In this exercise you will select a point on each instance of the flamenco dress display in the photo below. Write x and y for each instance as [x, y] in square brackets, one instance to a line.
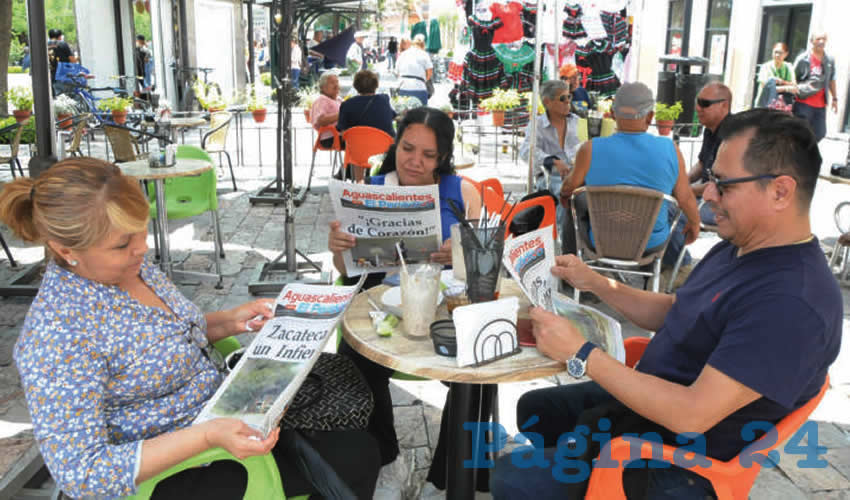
[482, 70]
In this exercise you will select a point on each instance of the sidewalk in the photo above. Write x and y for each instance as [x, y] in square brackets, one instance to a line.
[253, 235]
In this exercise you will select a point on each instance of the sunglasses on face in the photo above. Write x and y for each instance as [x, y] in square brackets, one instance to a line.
[565, 98]
[704, 103]
[195, 336]
[720, 184]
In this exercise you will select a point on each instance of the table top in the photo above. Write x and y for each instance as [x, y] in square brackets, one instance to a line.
[417, 357]
[187, 122]
[140, 169]
[834, 179]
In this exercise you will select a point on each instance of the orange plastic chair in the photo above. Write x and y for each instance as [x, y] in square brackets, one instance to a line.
[335, 149]
[730, 480]
[491, 195]
[494, 184]
[362, 143]
[549, 213]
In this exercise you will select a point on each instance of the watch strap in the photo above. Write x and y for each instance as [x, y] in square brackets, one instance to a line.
[584, 351]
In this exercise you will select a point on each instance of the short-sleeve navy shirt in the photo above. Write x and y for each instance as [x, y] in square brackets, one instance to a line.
[770, 319]
[708, 152]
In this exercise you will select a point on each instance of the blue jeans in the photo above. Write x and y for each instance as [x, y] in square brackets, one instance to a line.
[296, 76]
[558, 409]
[422, 95]
[554, 187]
[815, 116]
[677, 240]
[768, 93]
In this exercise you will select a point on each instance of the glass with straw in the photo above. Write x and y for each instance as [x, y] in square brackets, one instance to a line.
[420, 290]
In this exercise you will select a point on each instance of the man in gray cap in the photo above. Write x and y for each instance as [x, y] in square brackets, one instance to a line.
[636, 158]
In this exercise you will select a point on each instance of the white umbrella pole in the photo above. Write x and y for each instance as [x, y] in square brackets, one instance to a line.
[535, 90]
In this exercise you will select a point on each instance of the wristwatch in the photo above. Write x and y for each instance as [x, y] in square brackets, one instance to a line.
[577, 364]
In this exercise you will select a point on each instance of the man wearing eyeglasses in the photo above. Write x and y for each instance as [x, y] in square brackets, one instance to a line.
[748, 338]
[557, 140]
[713, 105]
[815, 72]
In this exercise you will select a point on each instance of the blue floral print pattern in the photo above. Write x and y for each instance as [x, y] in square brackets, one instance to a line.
[102, 372]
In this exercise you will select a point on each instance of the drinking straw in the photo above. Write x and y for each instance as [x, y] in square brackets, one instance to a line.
[400, 256]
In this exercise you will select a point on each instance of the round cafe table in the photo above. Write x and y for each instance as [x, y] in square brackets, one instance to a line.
[417, 357]
[141, 170]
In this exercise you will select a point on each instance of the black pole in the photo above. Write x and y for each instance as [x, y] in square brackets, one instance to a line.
[686, 33]
[42, 91]
[251, 41]
[119, 37]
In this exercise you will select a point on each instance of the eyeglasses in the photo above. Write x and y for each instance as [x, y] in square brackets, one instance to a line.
[721, 183]
[704, 103]
[196, 336]
[565, 78]
[565, 98]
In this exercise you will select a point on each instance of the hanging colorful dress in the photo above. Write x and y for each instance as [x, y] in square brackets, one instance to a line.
[529, 18]
[598, 55]
[482, 70]
[572, 28]
[510, 15]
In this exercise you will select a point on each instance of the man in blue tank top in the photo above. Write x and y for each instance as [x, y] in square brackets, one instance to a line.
[636, 158]
[748, 338]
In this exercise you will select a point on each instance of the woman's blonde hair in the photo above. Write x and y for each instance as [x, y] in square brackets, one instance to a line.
[75, 203]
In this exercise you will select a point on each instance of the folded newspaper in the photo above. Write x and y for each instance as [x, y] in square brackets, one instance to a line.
[529, 259]
[381, 216]
[275, 364]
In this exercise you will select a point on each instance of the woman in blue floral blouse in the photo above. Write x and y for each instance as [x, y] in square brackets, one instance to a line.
[110, 352]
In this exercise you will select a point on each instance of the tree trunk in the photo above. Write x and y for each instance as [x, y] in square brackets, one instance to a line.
[5, 43]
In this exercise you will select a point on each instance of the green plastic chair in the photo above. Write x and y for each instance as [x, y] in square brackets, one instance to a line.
[263, 475]
[190, 196]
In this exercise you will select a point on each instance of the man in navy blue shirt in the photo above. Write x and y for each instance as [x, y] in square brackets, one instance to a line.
[749, 337]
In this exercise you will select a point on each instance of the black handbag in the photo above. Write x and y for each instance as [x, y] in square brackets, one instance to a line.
[334, 396]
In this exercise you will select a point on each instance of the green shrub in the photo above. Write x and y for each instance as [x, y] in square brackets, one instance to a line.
[28, 135]
[15, 69]
[16, 50]
[266, 79]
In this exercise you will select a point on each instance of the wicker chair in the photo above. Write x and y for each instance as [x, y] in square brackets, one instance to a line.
[622, 219]
[124, 145]
[703, 228]
[80, 124]
[215, 141]
[14, 146]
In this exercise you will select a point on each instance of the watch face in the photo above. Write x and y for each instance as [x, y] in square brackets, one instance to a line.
[575, 367]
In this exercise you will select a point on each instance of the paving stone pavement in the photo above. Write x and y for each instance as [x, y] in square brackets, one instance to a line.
[254, 234]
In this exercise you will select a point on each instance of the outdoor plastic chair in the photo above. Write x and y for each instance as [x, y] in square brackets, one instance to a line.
[124, 146]
[362, 143]
[707, 228]
[730, 480]
[190, 196]
[494, 184]
[492, 195]
[14, 146]
[622, 218]
[549, 212]
[215, 140]
[335, 150]
[263, 475]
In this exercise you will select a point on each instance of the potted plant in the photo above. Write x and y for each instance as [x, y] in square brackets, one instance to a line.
[306, 97]
[665, 116]
[447, 109]
[64, 107]
[257, 106]
[401, 103]
[118, 106]
[21, 99]
[208, 96]
[499, 102]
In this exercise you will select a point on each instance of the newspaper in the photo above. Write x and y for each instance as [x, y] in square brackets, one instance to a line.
[594, 325]
[381, 216]
[529, 259]
[275, 364]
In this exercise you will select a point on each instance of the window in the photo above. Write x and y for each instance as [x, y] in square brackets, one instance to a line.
[717, 34]
[675, 30]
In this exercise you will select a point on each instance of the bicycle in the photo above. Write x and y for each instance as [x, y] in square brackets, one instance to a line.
[72, 80]
[186, 85]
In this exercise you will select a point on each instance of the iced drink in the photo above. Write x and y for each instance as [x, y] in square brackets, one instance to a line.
[419, 292]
